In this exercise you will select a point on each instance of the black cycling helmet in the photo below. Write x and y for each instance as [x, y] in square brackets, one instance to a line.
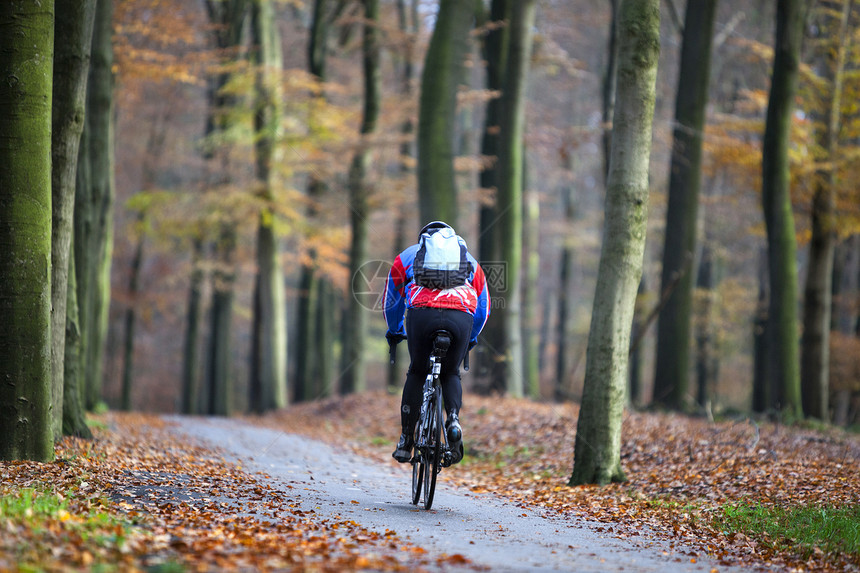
[434, 225]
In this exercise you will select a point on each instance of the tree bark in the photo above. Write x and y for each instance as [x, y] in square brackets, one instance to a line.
[531, 308]
[815, 344]
[269, 326]
[597, 451]
[131, 319]
[72, 45]
[761, 389]
[312, 360]
[673, 328]
[353, 377]
[94, 197]
[782, 329]
[510, 369]
[495, 52]
[26, 58]
[74, 421]
[443, 70]
[496, 57]
[228, 17]
[191, 344]
[609, 85]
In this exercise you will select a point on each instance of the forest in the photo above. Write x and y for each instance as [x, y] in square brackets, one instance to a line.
[664, 198]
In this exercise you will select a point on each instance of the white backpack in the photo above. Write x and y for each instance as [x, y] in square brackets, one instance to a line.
[441, 261]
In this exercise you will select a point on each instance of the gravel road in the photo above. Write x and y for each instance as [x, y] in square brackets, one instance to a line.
[484, 528]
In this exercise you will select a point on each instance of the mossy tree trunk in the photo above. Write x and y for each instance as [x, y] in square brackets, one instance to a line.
[312, 374]
[26, 58]
[191, 342]
[495, 51]
[509, 373]
[72, 45]
[353, 377]
[268, 382]
[817, 296]
[437, 116]
[672, 369]
[94, 197]
[782, 328]
[228, 18]
[531, 303]
[74, 421]
[597, 451]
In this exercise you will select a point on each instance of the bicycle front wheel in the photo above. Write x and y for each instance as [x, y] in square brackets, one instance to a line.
[434, 452]
[417, 480]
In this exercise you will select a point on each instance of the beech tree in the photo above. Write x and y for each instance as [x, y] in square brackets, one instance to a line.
[443, 71]
[353, 377]
[315, 307]
[597, 451]
[510, 193]
[268, 383]
[94, 199]
[228, 17]
[817, 296]
[73, 41]
[673, 328]
[26, 56]
[781, 335]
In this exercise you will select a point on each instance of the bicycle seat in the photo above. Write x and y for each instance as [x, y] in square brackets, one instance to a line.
[441, 342]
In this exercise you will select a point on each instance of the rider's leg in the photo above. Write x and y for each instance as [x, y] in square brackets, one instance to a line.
[410, 402]
[460, 325]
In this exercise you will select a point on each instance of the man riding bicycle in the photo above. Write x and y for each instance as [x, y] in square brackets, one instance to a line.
[439, 285]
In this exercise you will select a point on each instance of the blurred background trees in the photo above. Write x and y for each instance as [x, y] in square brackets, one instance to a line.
[210, 176]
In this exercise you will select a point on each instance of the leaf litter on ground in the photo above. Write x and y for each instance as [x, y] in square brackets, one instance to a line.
[684, 473]
[138, 498]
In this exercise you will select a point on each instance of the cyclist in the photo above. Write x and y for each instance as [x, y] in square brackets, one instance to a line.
[444, 288]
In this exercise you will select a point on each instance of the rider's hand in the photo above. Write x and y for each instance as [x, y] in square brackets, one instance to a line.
[394, 339]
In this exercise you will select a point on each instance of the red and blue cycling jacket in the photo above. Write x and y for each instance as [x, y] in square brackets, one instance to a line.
[401, 293]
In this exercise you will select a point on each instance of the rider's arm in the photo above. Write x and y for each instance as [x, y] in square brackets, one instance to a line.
[394, 305]
[482, 311]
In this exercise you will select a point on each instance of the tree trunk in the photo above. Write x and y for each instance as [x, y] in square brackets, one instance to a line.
[359, 190]
[815, 344]
[309, 357]
[563, 366]
[74, 421]
[707, 362]
[496, 57]
[495, 51]
[673, 328]
[269, 324]
[94, 197]
[531, 308]
[131, 319]
[437, 116]
[597, 451]
[510, 368]
[635, 383]
[781, 334]
[191, 345]
[26, 58]
[761, 389]
[228, 18]
[220, 379]
[72, 44]
[609, 83]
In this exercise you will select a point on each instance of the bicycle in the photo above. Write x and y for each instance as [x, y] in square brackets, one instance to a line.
[430, 451]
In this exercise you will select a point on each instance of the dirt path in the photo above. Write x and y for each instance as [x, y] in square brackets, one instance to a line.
[481, 527]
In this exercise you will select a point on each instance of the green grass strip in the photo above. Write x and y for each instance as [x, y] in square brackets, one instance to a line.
[832, 530]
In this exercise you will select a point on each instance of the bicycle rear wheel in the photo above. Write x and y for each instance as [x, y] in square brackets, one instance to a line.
[434, 453]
